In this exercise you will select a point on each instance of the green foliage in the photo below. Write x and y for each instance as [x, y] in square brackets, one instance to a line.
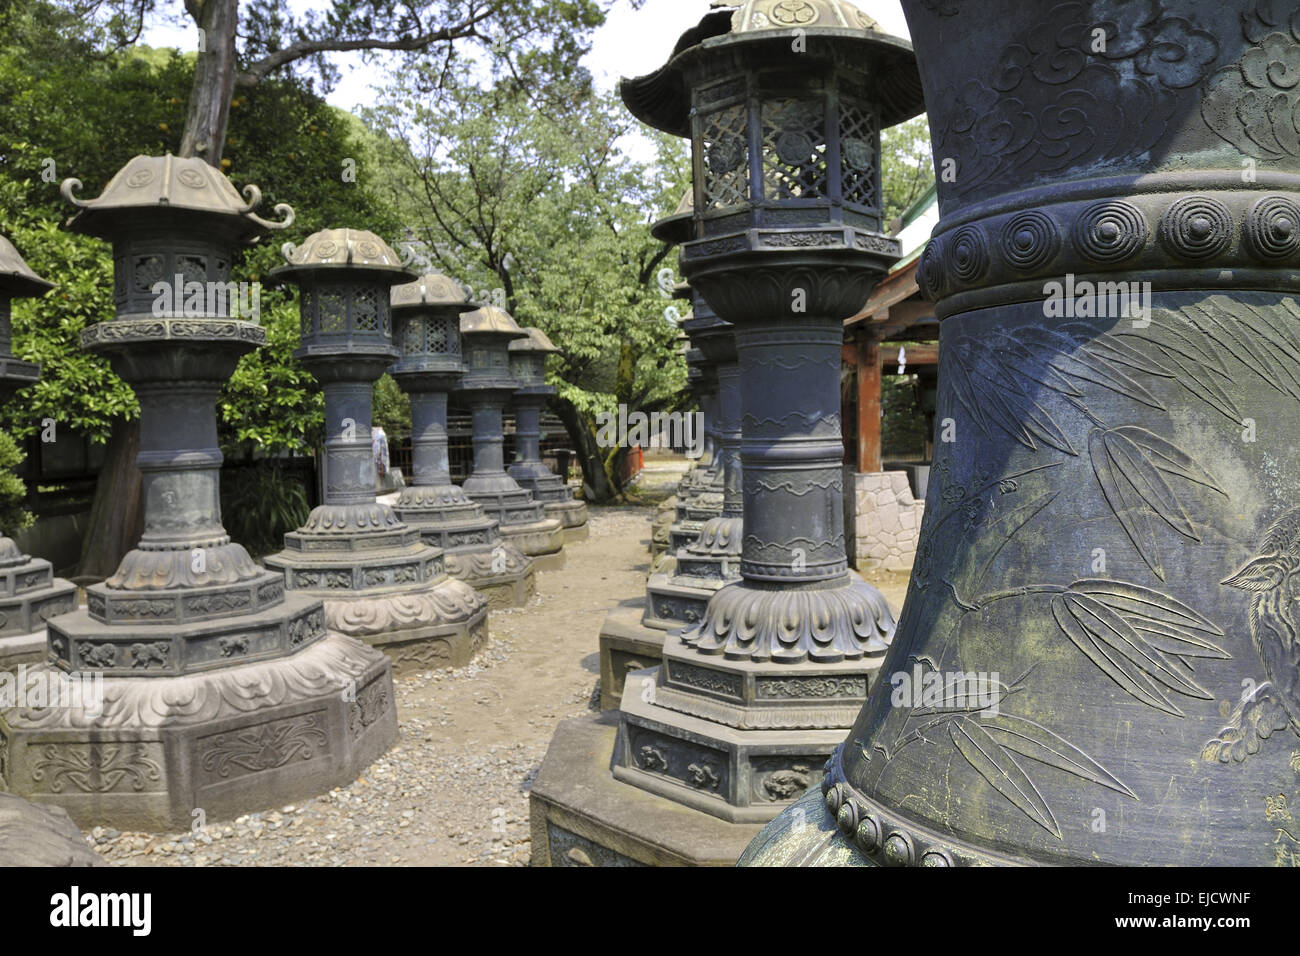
[13, 516]
[391, 409]
[902, 432]
[260, 503]
[536, 199]
[906, 166]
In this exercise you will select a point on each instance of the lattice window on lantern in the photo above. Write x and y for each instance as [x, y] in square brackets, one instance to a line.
[146, 271]
[6, 329]
[385, 315]
[192, 268]
[411, 336]
[308, 311]
[365, 312]
[794, 149]
[435, 336]
[724, 148]
[859, 148]
[333, 311]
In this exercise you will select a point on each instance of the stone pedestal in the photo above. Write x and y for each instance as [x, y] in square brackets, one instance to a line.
[212, 690]
[380, 582]
[427, 330]
[486, 388]
[582, 816]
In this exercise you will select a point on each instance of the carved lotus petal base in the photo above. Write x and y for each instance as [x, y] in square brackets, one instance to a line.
[186, 567]
[434, 496]
[10, 555]
[720, 536]
[448, 602]
[230, 741]
[349, 519]
[846, 619]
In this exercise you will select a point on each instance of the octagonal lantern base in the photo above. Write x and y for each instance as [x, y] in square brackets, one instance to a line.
[737, 775]
[626, 645]
[679, 595]
[541, 540]
[581, 816]
[659, 525]
[472, 546]
[441, 625]
[30, 595]
[227, 742]
[572, 515]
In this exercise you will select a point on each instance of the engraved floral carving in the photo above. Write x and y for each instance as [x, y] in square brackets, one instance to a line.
[266, 746]
[1254, 104]
[95, 768]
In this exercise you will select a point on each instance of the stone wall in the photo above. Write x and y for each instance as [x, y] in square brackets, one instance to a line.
[884, 521]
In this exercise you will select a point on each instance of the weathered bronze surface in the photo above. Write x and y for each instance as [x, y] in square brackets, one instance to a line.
[1111, 535]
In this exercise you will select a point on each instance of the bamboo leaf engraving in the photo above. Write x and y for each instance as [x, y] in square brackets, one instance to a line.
[996, 764]
[989, 390]
[1123, 654]
[1131, 464]
[1032, 740]
[1169, 625]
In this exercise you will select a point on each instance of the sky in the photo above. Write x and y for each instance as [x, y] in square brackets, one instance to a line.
[631, 43]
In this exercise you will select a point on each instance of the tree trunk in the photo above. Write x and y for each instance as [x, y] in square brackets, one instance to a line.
[214, 79]
[116, 517]
[589, 453]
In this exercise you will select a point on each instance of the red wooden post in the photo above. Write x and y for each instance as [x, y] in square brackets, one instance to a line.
[868, 404]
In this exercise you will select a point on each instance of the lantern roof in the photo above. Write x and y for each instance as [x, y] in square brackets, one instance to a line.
[16, 277]
[535, 341]
[431, 289]
[341, 249]
[489, 318]
[662, 100]
[152, 183]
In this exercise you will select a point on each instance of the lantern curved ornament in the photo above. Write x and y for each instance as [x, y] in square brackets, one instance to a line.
[68, 190]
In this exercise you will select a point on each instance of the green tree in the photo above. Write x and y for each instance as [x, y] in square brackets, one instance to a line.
[906, 167]
[528, 194]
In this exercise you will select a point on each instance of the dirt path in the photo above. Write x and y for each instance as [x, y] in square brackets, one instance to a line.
[454, 789]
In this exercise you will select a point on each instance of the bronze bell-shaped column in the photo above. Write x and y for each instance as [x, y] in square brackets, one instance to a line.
[1097, 659]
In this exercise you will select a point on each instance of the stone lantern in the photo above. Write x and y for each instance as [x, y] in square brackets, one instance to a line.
[427, 316]
[380, 582]
[528, 367]
[487, 386]
[220, 691]
[29, 591]
[783, 101]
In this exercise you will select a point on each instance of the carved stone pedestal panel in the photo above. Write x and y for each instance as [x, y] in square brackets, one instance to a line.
[245, 736]
[582, 816]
